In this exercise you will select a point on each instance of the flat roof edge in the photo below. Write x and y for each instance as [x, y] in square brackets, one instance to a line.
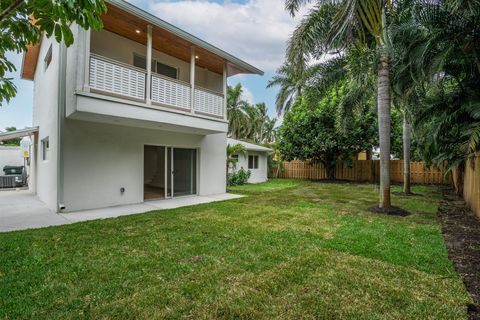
[17, 133]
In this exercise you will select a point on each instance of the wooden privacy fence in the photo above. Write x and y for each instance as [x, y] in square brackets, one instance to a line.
[471, 184]
[363, 171]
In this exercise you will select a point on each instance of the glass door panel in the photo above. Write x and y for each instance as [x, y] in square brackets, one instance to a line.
[168, 171]
[185, 171]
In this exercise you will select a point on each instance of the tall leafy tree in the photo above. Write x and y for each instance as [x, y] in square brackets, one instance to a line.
[11, 142]
[316, 131]
[23, 21]
[353, 23]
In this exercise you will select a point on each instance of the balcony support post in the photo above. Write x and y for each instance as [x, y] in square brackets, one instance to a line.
[148, 97]
[86, 72]
[192, 79]
[224, 87]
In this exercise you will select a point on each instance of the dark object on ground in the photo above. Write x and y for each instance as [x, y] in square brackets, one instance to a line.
[411, 194]
[392, 211]
[460, 229]
[15, 176]
[13, 170]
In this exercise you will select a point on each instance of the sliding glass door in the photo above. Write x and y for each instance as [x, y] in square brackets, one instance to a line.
[169, 172]
[184, 172]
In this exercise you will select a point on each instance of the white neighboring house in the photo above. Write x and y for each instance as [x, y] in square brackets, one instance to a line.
[133, 112]
[10, 156]
[255, 160]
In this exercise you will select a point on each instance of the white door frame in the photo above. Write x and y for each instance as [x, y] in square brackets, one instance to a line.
[169, 148]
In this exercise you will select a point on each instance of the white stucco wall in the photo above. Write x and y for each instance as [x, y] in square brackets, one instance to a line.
[102, 158]
[257, 175]
[113, 46]
[45, 111]
[213, 159]
[10, 156]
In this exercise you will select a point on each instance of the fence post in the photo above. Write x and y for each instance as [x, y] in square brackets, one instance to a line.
[372, 171]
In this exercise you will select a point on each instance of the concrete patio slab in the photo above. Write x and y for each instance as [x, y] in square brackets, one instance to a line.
[21, 210]
[105, 213]
[112, 212]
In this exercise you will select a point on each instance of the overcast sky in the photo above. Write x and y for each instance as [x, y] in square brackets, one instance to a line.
[253, 30]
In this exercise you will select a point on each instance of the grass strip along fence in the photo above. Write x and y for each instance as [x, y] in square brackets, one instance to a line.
[364, 171]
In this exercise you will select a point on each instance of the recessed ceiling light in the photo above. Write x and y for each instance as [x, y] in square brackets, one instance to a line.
[196, 57]
[137, 31]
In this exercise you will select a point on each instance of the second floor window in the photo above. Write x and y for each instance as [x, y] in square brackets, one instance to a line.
[157, 67]
[252, 162]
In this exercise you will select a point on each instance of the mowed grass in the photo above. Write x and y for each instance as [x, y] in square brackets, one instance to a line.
[288, 250]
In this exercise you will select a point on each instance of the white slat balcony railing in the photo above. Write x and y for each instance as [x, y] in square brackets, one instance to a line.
[170, 92]
[209, 102]
[117, 78]
[120, 79]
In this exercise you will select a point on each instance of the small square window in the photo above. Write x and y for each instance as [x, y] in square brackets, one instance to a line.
[252, 162]
[166, 70]
[140, 61]
[45, 148]
[48, 57]
[234, 157]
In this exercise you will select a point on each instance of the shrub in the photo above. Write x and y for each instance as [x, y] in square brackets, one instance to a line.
[238, 177]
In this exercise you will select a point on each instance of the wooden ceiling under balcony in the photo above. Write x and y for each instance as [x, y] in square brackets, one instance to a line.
[126, 25]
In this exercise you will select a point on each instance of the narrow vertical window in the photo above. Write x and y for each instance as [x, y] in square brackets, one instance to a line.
[45, 148]
[252, 162]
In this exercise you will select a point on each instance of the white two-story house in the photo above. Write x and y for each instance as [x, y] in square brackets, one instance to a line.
[133, 112]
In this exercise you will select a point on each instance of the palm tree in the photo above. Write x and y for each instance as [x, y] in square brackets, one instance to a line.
[439, 56]
[252, 123]
[331, 25]
[406, 154]
[269, 130]
[247, 121]
[290, 80]
[233, 149]
[262, 118]
[236, 111]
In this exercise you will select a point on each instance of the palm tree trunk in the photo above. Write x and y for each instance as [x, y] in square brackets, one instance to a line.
[383, 101]
[406, 154]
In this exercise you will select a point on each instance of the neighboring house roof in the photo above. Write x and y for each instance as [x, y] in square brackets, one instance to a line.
[239, 66]
[9, 147]
[18, 133]
[248, 146]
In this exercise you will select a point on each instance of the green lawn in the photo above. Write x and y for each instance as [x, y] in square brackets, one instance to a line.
[289, 250]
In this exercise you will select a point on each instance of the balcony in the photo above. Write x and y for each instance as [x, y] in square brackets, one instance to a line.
[111, 77]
